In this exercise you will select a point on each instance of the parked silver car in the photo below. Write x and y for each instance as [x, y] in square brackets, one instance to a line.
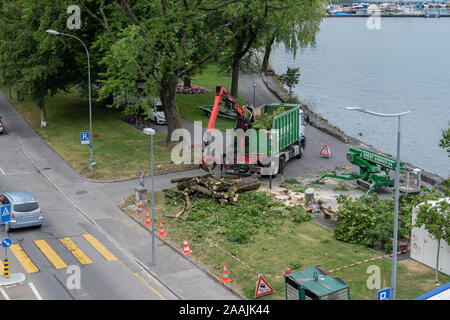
[25, 210]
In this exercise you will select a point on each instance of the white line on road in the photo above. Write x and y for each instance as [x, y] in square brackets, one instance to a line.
[33, 288]
[5, 295]
[3, 172]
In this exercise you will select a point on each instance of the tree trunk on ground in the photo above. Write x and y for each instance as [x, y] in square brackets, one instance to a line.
[167, 95]
[41, 105]
[187, 82]
[267, 51]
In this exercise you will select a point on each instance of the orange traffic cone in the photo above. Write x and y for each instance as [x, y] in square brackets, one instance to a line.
[225, 278]
[161, 230]
[139, 210]
[186, 249]
[148, 221]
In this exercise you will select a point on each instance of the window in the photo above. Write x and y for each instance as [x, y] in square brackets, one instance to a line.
[26, 207]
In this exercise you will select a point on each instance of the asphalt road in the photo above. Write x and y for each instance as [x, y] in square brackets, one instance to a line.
[120, 279]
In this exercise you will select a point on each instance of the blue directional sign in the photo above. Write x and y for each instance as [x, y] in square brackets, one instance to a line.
[384, 294]
[85, 138]
[5, 213]
[6, 242]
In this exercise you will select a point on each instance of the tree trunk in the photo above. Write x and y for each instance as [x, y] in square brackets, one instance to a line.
[187, 82]
[41, 105]
[267, 51]
[167, 95]
[436, 277]
[235, 77]
[243, 44]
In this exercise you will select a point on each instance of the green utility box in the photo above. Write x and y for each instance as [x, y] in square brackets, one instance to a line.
[315, 284]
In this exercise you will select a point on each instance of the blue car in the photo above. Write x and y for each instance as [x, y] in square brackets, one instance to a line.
[25, 210]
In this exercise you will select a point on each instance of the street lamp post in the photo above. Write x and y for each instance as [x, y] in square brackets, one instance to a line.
[397, 174]
[151, 133]
[91, 160]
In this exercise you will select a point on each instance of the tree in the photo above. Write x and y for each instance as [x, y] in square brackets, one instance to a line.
[436, 220]
[158, 43]
[298, 30]
[444, 142]
[34, 64]
[290, 78]
[253, 20]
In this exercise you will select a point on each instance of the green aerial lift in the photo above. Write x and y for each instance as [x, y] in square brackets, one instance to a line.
[374, 171]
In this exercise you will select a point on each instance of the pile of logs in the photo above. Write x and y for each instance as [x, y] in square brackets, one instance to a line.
[225, 190]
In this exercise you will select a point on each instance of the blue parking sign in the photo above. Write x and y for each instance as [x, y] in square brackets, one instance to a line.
[5, 213]
[85, 138]
[384, 294]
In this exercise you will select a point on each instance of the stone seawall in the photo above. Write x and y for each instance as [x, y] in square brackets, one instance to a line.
[276, 87]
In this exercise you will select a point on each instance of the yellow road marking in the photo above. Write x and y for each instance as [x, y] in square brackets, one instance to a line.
[100, 247]
[51, 255]
[72, 247]
[24, 260]
[145, 282]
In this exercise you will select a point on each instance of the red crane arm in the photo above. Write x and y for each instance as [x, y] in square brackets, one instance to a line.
[222, 94]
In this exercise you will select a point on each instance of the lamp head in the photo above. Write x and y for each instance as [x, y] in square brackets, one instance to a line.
[53, 32]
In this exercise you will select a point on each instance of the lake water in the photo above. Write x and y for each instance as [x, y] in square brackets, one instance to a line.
[404, 65]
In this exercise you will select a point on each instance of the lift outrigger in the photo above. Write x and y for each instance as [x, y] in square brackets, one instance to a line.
[374, 172]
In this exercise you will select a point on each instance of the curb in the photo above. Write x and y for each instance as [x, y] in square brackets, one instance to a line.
[207, 272]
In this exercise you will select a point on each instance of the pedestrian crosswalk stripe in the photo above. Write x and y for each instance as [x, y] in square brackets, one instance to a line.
[24, 260]
[100, 247]
[72, 247]
[51, 255]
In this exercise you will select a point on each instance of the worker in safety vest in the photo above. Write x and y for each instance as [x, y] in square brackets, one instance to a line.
[246, 117]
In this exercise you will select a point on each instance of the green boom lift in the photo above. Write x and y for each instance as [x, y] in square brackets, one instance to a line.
[374, 170]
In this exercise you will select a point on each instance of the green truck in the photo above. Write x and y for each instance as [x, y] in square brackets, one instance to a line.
[267, 152]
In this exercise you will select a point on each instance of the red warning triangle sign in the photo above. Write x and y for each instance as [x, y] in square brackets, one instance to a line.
[325, 151]
[262, 287]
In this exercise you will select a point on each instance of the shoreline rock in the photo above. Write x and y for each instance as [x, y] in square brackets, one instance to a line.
[276, 87]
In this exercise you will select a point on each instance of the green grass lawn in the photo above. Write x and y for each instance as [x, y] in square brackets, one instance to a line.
[187, 103]
[292, 245]
[120, 151]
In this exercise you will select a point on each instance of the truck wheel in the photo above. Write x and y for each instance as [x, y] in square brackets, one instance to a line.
[301, 148]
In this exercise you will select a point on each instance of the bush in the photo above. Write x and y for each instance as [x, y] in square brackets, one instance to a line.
[369, 220]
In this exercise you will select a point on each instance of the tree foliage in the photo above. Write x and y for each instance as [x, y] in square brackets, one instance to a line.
[33, 63]
[436, 220]
[290, 79]
[369, 221]
[444, 142]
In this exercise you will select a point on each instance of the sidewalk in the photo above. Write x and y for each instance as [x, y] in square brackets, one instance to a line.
[99, 203]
